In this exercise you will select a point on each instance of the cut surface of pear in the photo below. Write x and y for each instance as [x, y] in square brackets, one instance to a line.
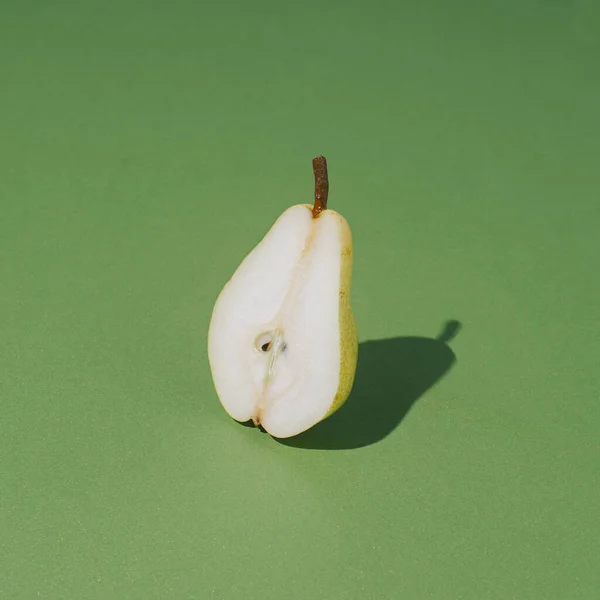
[282, 341]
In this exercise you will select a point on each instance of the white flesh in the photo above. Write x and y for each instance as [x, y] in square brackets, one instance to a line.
[286, 291]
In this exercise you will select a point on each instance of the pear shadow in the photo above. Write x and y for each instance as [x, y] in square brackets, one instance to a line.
[391, 375]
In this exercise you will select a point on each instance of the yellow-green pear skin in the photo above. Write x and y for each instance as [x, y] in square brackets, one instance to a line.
[348, 332]
[282, 341]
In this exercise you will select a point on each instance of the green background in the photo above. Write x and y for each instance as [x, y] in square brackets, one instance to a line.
[146, 147]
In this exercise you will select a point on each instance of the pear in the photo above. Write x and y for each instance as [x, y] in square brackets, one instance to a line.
[282, 340]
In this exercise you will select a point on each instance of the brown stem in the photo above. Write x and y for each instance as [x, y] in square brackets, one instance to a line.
[321, 185]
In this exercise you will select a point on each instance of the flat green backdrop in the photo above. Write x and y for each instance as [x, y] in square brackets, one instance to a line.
[146, 147]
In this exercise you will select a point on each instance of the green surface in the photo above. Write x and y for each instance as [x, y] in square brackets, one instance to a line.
[146, 147]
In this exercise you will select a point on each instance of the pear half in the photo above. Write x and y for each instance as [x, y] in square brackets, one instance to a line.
[282, 341]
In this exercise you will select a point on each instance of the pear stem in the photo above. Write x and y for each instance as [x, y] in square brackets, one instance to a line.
[321, 185]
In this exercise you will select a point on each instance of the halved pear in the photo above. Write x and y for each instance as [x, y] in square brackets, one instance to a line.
[282, 341]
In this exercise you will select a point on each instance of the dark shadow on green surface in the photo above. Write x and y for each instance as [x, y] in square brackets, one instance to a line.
[391, 376]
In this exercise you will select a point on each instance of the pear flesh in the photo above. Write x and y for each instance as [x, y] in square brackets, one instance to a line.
[282, 340]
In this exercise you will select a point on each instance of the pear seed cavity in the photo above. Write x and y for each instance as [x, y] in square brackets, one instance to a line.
[264, 342]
